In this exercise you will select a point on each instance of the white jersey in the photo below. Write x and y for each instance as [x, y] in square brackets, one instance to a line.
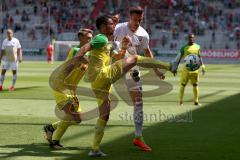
[10, 49]
[139, 39]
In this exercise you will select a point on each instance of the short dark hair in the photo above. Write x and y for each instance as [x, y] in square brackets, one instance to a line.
[190, 34]
[136, 10]
[103, 19]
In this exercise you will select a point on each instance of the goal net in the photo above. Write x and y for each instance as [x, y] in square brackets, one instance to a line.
[61, 49]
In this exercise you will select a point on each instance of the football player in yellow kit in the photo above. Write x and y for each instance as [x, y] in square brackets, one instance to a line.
[55, 131]
[186, 75]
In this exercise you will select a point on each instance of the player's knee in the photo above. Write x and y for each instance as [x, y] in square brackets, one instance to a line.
[138, 100]
[195, 85]
[135, 90]
[83, 67]
[105, 110]
[132, 59]
[14, 72]
[183, 84]
[3, 72]
[65, 123]
[105, 117]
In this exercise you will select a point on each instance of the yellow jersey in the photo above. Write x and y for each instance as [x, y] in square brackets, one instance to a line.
[189, 49]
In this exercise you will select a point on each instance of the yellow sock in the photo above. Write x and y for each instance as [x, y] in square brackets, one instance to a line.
[195, 92]
[55, 125]
[182, 88]
[61, 129]
[99, 132]
[147, 62]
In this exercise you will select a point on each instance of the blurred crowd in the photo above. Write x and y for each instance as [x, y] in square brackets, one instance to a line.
[173, 16]
[197, 16]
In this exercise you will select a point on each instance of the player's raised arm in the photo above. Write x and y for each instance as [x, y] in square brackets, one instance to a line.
[84, 49]
[121, 53]
[177, 61]
[179, 56]
[75, 61]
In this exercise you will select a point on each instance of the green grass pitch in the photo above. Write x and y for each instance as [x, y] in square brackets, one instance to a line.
[209, 132]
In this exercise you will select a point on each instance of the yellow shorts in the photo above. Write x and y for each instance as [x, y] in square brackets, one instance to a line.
[187, 75]
[102, 84]
[65, 100]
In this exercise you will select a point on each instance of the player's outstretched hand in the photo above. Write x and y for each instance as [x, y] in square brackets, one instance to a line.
[125, 42]
[203, 71]
[174, 67]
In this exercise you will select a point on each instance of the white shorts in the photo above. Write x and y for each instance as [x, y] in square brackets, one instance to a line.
[8, 65]
[131, 84]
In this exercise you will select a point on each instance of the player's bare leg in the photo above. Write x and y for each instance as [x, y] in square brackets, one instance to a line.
[14, 79]
[55, 131]
[129, 63]
[180, 103]
[181, 92]
[138, 141]
[2, 78]
[196, 95]
[145, 62]
[104, 111]
[48, 130]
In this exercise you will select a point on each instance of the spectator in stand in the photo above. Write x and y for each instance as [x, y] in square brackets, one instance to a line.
[168, 13]
[163, 41]
[5, 23]
[14, 3]
[35, 10]
[238, 45]
[226, 46]
[4, 6]
[17, 27]
[213, 37]
[11, 21]
[17, 12]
